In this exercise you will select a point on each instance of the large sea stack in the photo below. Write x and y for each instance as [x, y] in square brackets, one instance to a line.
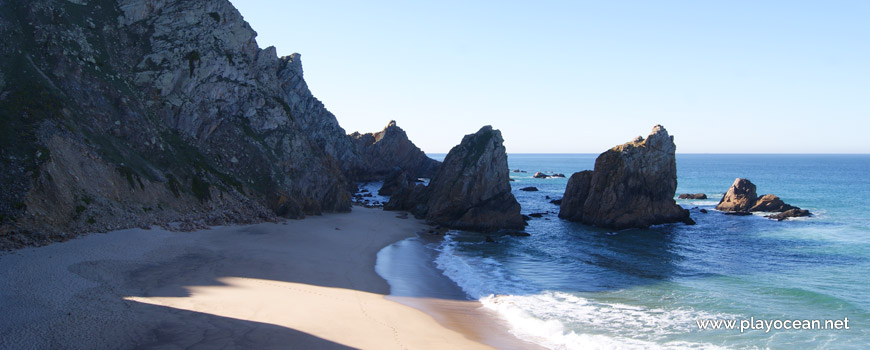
[470, 191]
[389, 150]
[632, 186]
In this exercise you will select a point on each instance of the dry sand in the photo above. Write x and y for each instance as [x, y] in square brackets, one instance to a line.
[307, 284]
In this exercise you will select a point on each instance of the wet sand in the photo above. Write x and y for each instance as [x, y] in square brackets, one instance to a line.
[300, 284]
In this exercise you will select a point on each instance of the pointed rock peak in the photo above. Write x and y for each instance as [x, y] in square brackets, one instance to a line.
[659, 139]
[657, 129]
[391, 124]
[294, 61]
[485, 128]
[296, 57]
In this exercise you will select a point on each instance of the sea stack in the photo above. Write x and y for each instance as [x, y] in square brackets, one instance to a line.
[384, 151]
[470, 191]
[741, 198]
[632, 186]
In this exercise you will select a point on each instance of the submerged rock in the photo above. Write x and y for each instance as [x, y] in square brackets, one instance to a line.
[470, 191]
[540, 175]
[693, 196]
[791, 213]
[529, 189]
[632, 186]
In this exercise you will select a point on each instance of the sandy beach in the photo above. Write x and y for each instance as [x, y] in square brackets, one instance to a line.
[306, 284]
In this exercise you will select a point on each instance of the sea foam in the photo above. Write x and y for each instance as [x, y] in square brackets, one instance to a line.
[560, 320]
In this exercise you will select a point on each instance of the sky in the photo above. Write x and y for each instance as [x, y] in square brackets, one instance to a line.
[583, 76]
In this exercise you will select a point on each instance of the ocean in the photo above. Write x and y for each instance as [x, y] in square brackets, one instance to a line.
[572, 286]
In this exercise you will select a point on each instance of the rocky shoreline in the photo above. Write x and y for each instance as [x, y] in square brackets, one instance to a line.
[134, 113]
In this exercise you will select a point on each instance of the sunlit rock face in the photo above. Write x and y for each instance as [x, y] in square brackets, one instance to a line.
[632, 186]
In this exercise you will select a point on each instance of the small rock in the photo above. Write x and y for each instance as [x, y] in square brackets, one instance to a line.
[693, 196]
[529, 189]
[791, 213]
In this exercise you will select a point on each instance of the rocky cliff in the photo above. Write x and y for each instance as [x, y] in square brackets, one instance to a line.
[632, 186]
[384, 151]
[136, 112]
[470, 191]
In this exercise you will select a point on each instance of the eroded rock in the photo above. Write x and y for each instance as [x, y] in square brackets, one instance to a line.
[632, 186]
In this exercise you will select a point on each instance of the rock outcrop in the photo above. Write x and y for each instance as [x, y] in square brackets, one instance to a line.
[741, 199]
[140, 112]
[692, 196]
[388, 149]
[470, 191]
[740, 196]
[770, 203]
[791, 213]
[632, 186]
[396, 180]
[540, 175]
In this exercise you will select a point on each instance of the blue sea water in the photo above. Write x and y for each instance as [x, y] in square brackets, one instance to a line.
[572, 286]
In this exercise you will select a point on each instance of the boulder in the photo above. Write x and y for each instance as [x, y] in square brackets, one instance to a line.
[406, 197]
[397, 179]
[770, 203]
[791, 213]
[740, 197]
[632, 186]
[556, 201]
[558, 175]
[529, 189]
[693, 196]
[470, 191]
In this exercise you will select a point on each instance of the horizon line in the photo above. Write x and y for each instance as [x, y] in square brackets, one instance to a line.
[689, 153]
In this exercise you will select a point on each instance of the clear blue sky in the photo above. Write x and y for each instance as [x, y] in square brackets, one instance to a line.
[582, 76]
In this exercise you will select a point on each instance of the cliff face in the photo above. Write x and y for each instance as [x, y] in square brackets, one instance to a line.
[470, 191]
[633, 185]
[384, 151]
[136, 112]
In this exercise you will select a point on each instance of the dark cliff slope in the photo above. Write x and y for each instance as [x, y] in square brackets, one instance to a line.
[129, 113]
[384, 151]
